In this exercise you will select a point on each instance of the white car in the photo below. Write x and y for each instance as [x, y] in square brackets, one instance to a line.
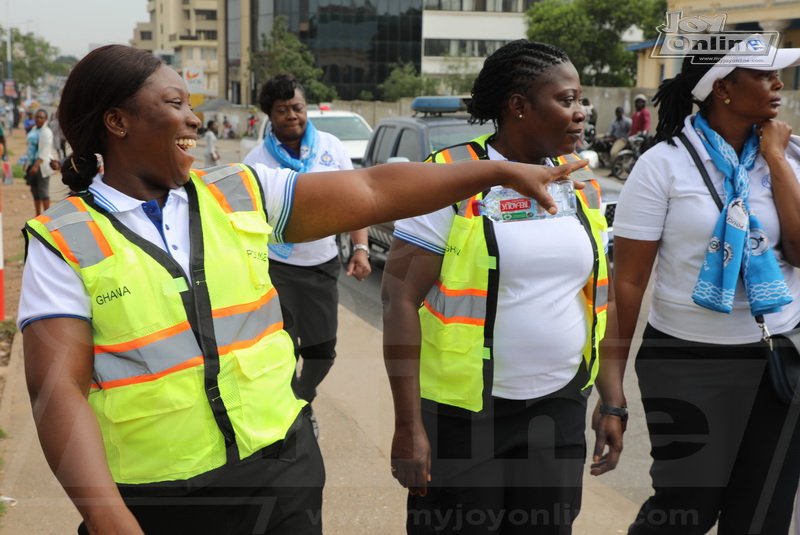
[351, 129]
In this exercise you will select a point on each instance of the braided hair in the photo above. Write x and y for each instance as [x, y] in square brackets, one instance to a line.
[104, 79]
[674, 97]
[512, 68]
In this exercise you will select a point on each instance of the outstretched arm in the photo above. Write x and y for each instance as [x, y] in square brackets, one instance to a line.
[325, 204]
[59, 358]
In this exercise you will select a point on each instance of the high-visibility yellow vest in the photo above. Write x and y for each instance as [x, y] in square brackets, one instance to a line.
[190, 372]
[458, 313]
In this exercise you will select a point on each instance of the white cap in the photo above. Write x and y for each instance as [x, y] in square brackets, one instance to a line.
[775, 59]
[640, 97]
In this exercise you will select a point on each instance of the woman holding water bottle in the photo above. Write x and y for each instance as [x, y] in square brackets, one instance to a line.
[492, 329]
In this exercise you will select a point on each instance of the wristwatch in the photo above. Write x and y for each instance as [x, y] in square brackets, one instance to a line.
[622, 412]
[361, 247]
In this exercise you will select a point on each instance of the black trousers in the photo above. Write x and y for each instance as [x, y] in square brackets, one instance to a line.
[277, 495]
[724, 447]
[516, 470]
[309, 298]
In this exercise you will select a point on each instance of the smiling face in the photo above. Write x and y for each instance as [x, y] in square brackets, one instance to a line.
[553, 115]
[754, 95]
[153, 133]
[289, 119]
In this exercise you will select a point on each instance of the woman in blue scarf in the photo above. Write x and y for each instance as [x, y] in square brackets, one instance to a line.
[306, 274]
[701, 365]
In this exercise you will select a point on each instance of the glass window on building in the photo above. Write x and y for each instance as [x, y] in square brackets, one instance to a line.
[205, 14]
[190, 54]
[146, 36]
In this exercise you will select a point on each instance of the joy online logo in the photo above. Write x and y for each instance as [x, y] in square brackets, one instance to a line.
[703, 36]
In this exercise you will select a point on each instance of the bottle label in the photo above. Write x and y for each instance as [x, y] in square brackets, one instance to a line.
[504, 205]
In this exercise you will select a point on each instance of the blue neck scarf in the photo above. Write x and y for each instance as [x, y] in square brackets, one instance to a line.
[739, 244]
[308, 149]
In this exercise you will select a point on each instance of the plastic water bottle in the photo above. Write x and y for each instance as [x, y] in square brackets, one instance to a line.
[504, 205]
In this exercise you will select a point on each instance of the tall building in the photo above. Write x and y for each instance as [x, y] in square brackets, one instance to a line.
[186, 35]
[356, 42]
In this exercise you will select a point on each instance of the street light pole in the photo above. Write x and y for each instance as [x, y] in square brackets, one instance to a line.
[8, 41]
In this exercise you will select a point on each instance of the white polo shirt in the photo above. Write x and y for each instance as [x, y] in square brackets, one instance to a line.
[541, 326]
[331, 156]
[666, 199]
[51, 288]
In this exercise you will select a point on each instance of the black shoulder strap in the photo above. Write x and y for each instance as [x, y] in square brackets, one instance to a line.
[701, 168]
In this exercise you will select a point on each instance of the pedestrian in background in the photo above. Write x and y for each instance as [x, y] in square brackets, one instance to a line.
[29, 121]
[492, 330]
[39, 155]
[640, 119]
[701, 366]
[589, 111]
[155, 356]
[618, 133]
[210, 137]
[306, 274]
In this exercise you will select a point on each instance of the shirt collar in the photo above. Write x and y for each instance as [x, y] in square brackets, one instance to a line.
[115, 201]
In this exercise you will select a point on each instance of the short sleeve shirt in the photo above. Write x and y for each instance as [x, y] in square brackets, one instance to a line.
[331, 156]
[541, 324]
[51, 288]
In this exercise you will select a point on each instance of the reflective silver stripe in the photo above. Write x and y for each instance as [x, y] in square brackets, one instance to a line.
[592, 200]
[232, 186]
[582, 174]
[169, 352]
[74, 228]
[463, 206]
[216, 174]
[601, 299]
[463, 306]
[460, 153]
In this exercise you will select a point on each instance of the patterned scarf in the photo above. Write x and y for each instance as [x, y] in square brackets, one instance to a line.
[308, 149]
[739, 244]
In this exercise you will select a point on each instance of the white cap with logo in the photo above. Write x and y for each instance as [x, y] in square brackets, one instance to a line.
[744, 54]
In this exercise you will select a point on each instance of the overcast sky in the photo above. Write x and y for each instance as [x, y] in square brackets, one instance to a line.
[73, 25]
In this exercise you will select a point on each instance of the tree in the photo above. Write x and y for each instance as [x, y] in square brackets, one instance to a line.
[460, 74]
[404, 81]
[589, 31]
[31, 58]
[283, 51]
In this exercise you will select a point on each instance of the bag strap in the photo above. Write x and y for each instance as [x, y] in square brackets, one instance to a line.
[702, 168]
[765, 336]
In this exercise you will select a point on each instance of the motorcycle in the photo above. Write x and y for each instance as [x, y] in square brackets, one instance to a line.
[593, 148]
[626, 158]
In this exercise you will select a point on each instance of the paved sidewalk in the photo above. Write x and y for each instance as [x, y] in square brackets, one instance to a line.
[354, 409]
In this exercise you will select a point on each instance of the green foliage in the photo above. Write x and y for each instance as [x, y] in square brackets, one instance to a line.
[31, 58]
[404, 81]
[283, 51]
[459, 76]
[589, 32]
[366, 95]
